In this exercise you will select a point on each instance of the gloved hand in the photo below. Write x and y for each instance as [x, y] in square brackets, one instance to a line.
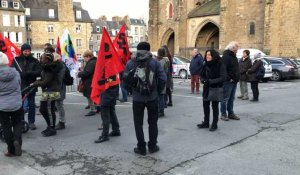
[205, 82]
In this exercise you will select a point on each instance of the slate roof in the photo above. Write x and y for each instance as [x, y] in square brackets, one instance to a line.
[110, 25]
[10, 6]
[137, 22]
[39, 10]
[208, 9]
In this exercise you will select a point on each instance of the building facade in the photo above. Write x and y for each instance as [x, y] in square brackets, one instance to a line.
[138, 29]
[47, 20]
[12, 21]
[269, 25]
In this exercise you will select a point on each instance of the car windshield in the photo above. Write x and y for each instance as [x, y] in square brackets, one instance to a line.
[182, 60]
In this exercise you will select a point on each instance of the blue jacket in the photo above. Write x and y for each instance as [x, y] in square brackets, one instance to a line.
[196, 65]
[10, 89]
[159, 75]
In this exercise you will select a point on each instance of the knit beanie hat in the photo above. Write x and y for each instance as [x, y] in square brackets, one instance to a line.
[25, 47]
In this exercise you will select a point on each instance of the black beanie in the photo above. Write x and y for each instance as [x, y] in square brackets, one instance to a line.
[25, 47]
[143, 46]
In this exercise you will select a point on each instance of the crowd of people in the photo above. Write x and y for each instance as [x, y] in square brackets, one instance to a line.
[146, 77]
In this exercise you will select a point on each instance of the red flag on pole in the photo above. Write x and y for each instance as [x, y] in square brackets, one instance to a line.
[9, 48]
[121, 44]
[58, 49]
[107, 68]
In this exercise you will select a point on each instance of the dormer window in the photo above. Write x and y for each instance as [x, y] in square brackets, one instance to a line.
[98, 29]
[51, 13]
[78, 14]
[27, 11]
[16, 5]
[4, 4]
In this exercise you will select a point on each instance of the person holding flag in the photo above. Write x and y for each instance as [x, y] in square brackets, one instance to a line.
[105, 86]
[29, 69]
[121, 44]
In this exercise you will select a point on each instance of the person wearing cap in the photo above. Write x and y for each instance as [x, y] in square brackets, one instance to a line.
[253, 78]
[51, 85]
[142, 101]
[29, 69]
[11, 112]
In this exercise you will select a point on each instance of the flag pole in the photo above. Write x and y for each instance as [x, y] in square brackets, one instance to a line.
[18, 64]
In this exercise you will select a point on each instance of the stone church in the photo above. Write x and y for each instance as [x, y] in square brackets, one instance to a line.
[272, 26]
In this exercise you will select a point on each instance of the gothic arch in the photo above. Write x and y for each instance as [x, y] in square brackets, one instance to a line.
[200, 26]
[168, 38]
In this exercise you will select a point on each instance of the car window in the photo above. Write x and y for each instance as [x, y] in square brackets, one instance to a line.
[277, 62]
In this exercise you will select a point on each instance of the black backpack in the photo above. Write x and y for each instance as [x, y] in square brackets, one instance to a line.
[68, 79]
[141, 78]
[260, 73]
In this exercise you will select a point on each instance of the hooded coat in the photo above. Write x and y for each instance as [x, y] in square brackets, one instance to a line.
[159, 75]
[87, 76]
[10, 91]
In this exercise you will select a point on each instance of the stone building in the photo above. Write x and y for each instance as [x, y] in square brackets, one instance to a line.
[12, 21]
[137, 30]
[47, 19]
[269, 25]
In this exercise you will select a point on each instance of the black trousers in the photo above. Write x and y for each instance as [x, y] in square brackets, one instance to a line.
[12, 127]
[138, 117]
[50, 118]
[168, 96]
[108, 115]
[255, 91]
[215, 108]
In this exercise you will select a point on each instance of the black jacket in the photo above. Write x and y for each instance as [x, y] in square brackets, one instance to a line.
[231, 65]
[29, 69]
[213, 75]
[252, 71]
[87, 76]
[244, 66]
[50, 81]
[109, 97]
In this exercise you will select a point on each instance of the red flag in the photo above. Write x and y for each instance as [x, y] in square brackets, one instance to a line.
[9, 48]
[121, 44]
[107, 68]
[58, 49]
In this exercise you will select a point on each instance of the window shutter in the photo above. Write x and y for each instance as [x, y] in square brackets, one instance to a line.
[22, 21]
[16, 20]
[20, 37]
[13, 37]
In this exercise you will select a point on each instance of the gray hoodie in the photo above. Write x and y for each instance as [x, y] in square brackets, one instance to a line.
[10, 91]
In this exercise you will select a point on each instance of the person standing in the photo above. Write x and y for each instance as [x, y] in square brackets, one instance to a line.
[11, 112]
[212, 76]
[60, 102]
[244, 64]
[86, 76]
[253, 78]
[149, 101]
[233, 76]
[108, 114]
[29, 69]
[165, 64]
[50, 85]
[169, 85]
[195, 69]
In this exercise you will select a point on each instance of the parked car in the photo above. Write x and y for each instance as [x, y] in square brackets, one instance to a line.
[296, 63]
[282, 68]
[181, 67]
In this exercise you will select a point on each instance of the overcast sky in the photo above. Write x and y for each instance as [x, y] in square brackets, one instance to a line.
[110, 8]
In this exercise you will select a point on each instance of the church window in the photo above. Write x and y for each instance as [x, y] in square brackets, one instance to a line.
[170, 10]
[252, 28]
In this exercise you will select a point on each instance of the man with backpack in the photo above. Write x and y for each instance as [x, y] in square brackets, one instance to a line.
[147, 79]
[255, 74]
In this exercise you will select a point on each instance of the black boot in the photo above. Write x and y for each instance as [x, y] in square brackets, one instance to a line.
[60, 126]
[102, 139]
[203, 125]
[213, 128]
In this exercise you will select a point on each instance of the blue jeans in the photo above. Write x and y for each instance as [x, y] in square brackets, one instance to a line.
[124, 91]
[31, 107]
[229, 95]
[161, 102]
